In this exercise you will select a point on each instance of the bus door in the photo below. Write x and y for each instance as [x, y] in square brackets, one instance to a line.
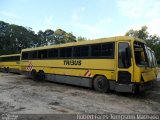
[124, 63]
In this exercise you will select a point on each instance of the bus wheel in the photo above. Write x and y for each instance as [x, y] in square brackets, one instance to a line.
[101, 84]
[41, 75]
[4, 70]
[136, 91]
[7, 70]
[34, 75]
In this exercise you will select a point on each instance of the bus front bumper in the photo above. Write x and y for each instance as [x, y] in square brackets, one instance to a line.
[131, 88]
[125, 87]
[146, 86]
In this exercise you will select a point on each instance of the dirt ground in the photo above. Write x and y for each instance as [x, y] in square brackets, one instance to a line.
[21, 95]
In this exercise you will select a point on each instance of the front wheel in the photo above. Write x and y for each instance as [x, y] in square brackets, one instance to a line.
[101, 84]
[137, 89]
[6, 70]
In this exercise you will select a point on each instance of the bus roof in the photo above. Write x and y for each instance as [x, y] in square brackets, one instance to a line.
[10, 55]
[101, 40]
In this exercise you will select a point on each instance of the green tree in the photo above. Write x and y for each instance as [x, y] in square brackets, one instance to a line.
[69, 37]
[59, 36]
[49, 36]
[41, 37]
[80, 38]
[3, 28]
[13, 38]
[63, 37]
[46, 37]
[142, 33]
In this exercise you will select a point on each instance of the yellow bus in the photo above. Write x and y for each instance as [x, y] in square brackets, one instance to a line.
[10, 63]
[116, 63]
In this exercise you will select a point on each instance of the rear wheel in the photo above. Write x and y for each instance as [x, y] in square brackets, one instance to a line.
[4, 70]
[101, 84]
[7, 70]
[34, 75]
[41, 75]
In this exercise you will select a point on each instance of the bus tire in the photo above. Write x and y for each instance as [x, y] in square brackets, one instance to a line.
[7, 70]
[101, 84]
[137, 90]
[4, 70]
[34, 75]
[41, 75]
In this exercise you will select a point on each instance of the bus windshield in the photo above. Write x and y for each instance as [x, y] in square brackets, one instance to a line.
[140, 54]
[151, 57]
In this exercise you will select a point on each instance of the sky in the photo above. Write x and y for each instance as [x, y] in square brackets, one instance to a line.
[87, 18]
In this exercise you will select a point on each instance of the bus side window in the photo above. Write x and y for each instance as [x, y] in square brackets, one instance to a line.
[108, 50]
[32, 55]
[24, 55]
[81, 51]
[42, 54]
[52, 53]
[66, 52]
[103, 50]
[96, 50]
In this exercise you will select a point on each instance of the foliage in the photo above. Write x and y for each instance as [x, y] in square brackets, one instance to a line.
[80, 38]
[13, 38]
[62, 37]
[153, 41]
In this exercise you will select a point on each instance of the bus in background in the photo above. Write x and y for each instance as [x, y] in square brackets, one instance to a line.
[10, 63]
[117, 63]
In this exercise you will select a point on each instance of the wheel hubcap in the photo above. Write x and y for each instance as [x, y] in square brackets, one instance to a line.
[100, 83]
